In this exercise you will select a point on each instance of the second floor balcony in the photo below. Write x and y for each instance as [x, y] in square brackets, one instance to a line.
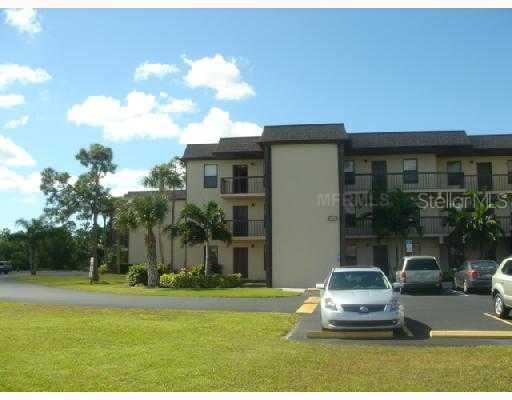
[247, 229]
[428, 181]
[431, 227]
[245, 186]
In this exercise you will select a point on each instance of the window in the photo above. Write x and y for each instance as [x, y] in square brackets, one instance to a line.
[509, 168]
[210, 176]
[411, 170]
[350, 220]
[507, 268]
[351, 255]
[358, 280]
[348, 169]
[422, 264]
[455, 174]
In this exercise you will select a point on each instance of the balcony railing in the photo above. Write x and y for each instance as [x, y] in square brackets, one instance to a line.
[431, 226]
[242, 185]
[246, 228]
[428, 181]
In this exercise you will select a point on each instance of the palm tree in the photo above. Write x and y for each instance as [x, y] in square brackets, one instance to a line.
[396, 215]
[475, 226]
[198, 225]
[33, 236]
[148, 212]
[166, 177]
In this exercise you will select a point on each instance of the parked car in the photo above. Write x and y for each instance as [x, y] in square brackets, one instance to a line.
[502, 288]
[474, 274]
[5, 267]
[359, 298]
[419, 272]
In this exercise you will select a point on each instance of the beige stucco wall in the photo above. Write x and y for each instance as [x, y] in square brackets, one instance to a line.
[305, 243]
[499, 163]
[394, 163]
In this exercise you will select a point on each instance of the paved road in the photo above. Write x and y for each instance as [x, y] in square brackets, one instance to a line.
[425, 312]
[11, 290]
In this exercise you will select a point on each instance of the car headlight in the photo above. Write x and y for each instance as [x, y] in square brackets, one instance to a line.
[330, 304]
[394, 305]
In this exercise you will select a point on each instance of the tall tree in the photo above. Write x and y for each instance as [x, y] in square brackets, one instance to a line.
[85, 198]
[166, 177]
[475, 226]
[198, 225]
[33, 236]
[395, 215]
[146, 211]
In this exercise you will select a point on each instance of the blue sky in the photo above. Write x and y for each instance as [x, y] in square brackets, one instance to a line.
[230, 72]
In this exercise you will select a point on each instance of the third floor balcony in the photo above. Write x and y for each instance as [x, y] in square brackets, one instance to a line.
[427, 181]
[245, 186]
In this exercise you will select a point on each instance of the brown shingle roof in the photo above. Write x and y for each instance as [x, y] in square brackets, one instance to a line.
[303, 133]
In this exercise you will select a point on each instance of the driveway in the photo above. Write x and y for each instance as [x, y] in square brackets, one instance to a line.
[11, 290]
[424, 312]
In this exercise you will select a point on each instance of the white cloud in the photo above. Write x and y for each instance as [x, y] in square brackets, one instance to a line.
[16, 123]
[25, 20]
[13, 155]
[219, 74]
[178, 106]
[125, 180]
[11, 100]
[148, 70]
[138, 117]
[10, 73]
[216, 124]
[11, 181]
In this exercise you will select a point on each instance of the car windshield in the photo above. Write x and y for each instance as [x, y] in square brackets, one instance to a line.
[355, 280]
[484, 265]
[422, 264]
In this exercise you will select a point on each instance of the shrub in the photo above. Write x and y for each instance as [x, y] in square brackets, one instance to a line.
[137, 274]
[231, 281]
[103, 269]
[193, 278]
[168, 280]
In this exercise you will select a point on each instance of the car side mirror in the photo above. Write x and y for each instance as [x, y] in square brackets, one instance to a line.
[320, 286]
[397, 286]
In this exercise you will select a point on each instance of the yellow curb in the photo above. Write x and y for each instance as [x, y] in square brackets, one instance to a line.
[350, 335]
[498, 319]
[312, 300]
[472, 334]
[306, 308]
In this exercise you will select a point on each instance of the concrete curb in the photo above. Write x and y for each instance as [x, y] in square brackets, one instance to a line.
[472, 334]
[350, 335]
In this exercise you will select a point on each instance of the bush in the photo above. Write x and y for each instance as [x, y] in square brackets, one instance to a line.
[168, 280]
[137, 274]
[193, 278]
[231, 281]
[103, 269]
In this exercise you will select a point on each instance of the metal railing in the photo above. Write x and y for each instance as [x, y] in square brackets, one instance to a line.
[428, 181]
[242, 185]
[431, 226]
[247, 227]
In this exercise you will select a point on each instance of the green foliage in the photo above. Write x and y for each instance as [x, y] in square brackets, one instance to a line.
[137, 274]
[166, 176]
[194, 278]
[103, 269]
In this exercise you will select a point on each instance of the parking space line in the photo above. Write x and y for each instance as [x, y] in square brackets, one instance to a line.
[498, 319]
[458, 293]
[312, 300]
[306, 308]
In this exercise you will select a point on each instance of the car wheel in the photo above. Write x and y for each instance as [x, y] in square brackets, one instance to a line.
[466, 288]
[500, 309]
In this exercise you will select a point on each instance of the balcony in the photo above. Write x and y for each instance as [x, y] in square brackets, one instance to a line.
[252, 229]
[427, 181]
[432, 227]
[242, 187]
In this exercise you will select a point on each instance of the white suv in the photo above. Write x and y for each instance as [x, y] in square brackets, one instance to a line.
[502, 288]
[419, 272]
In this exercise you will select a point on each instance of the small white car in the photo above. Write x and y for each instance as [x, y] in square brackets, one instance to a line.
[502, 288]
[356, 298]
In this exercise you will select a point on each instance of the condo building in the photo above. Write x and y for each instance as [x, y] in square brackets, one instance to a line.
[295, 197]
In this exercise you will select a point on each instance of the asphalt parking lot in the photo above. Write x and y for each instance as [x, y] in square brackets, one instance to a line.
[426, 312]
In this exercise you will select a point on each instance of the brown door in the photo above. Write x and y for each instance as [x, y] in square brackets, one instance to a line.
[484, 175]
[240, 180]
[380, 258]
[240, 220]
[379, 176]
[241, 261]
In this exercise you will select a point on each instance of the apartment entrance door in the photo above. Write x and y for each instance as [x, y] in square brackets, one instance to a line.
[240, 220]
[240, 181]
[379, 175]
[380, 257]
[484, 175]
[241, 261]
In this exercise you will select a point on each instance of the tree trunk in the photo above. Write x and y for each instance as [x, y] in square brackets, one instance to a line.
[118, 253]
[31, 260]
[206, 257]
[186, 256]
[173, 204]
[161, 258]
[151, 262]
[94, 249]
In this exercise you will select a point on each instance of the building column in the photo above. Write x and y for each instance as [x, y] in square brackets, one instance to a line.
[267, 182]
[341, 218]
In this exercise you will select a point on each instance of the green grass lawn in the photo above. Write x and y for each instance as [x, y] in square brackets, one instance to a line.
[55, 348]
[111, 283]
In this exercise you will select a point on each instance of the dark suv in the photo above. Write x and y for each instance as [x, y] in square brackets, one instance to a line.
[5, 267]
